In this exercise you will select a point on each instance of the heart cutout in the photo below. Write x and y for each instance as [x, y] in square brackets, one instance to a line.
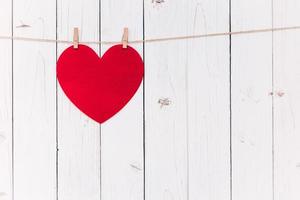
[100, 87]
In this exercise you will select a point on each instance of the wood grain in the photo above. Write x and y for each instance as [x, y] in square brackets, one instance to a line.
[286, 102]
[78, 135]
[165, 102]
[208, 101]
[251, 76]
[6, 102]
[122, 170]
[34, 94]
[187, 102]
[216, 118]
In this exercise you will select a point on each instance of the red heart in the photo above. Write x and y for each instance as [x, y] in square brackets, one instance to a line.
[100, 87]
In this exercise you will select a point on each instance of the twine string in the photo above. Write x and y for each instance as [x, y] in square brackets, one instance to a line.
[156, 39]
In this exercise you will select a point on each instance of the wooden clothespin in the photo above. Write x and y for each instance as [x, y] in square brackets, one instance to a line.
[75, 38]
[125, 38]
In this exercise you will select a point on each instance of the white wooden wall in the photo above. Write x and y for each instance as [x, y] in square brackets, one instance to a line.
[229, 128]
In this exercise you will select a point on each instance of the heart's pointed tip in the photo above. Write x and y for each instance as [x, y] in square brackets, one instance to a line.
[102, 121]
[99, 120]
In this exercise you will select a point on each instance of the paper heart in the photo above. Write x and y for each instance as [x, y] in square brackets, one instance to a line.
[100, 87]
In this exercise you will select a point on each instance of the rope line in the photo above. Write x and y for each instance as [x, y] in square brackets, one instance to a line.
[157, 39]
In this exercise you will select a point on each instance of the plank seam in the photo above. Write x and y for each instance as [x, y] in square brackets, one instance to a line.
[230, 100]
[273, 155]
[12, 104]
[144, 109]
[100, 131]
[56, 102]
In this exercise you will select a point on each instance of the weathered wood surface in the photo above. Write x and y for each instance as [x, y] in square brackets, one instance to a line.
[6, 103]
[215, 118]
[78, 137]
[251, 102]
[34, 101]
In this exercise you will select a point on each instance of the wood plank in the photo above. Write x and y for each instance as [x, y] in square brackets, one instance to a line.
[34, 101]
[165, 102]
[78, 135]
[208, 101]
[286, 102]
[5, 102]
[251, 101]
[187, 87]
[122, 136]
